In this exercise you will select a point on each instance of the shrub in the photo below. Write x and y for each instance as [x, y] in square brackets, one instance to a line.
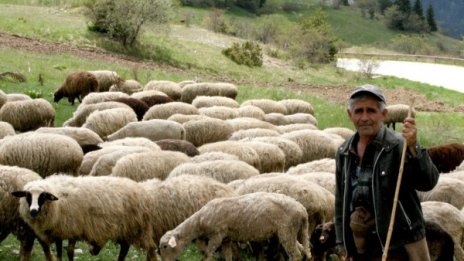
[215, 21]
[247, 53]
[394, 18]
[411, 44]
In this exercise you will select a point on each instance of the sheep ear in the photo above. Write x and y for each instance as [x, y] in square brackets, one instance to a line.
[49, 196]
[172, 242]
[19, 194]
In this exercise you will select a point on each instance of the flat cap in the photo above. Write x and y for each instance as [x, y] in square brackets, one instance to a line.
[371, 90]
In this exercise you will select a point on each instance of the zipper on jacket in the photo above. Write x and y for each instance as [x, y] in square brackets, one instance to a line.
[345, 191]
[373, 200]
[405, 215]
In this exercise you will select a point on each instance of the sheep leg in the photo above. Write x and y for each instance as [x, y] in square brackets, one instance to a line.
[213, 243]
[227, 252]
[46, 250]
[94, 249]
[289, 243]
[70, 249]
[59, 249]
[151, 254]
[123, 251]
[3, 235]
[26, 248]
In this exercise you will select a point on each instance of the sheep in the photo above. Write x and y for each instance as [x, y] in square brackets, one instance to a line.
[292, 151]
[105, 79]
[139, 106]
[84, 110]
[148, 165]
[163, 111]
[251, 111]
[183, 118]
[320, 165]
[191, 91]
[460, 167]
[315, 144]
[3, 98]
[439, 242]
[93, 209]
[172, 89]
[83, 136]
[301, 118]
[219, 112]
[28, 115]
[96, 97]
[249, 123]
[345, 133]
[397, 113]
[224, 171]
[143, 94]
[318, 201]
[272, 158]
[185, 82]
[276, 118]
[449, 190]
[106, 122]
[207, 130]
[446, 157]
[76, 85]
[6, 129]
[178, 145]
[297, 106]
[253, 133]
[175, 199]
[13, 179]
[132, 141]
[237, 148]
[127, 86]
[155, 100]
[323, 179]
[151, 129]
[267, 105]
[215, 155]
[252, 217]
[323, 241]
[450, 218]
[295, 127]
[44, 153]
[17, 97]
[210, 101]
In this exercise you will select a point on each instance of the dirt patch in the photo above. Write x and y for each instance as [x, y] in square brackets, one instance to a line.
[336, 94]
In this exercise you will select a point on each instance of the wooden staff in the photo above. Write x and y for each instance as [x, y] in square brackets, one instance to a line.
[397, 192]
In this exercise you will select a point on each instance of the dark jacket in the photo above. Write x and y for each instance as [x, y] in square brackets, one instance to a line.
[419, 173]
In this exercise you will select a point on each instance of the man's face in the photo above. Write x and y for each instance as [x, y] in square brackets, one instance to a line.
[367, 117]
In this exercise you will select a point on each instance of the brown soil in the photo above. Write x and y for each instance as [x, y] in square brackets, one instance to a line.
[337, 94]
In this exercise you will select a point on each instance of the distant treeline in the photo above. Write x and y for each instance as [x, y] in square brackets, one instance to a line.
[449, 15]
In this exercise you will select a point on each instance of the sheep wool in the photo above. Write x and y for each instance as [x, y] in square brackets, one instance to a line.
[276, 118]
[143, 94]
[219, 112]
[207, 130]
[397, 113]
[267, 105]
[345, 133]
[448, 189]
[304, 118]
[324, 165]
[84, 110]
[127, 86]
[253, 133]
[297, 106]
[214, 155]
[132, 141]
[28, 115]
[292, 151]
[446, 157]
[295, 127]
[96, 97]
[17, 97]
[211, 101]
[83, 136]
[272, 158]
[240, 149]
[139, 106]
[191, 91]
[251, 111]
[104, 164]
[106, 122]
[178, 145]
[250, 123]
[6, 129]
[3, 98]
[105, 79]
[76, 85]
[151, 129]
[164, 111]
[172, 89]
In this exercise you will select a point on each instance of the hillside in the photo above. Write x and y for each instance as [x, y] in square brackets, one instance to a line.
[449, 15]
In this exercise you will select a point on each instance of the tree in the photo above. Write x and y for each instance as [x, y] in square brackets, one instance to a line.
[367, 7]
[431, 19]
[394, 18]
[404, 6]
[123, 19]
[383, 5]
[418, 9]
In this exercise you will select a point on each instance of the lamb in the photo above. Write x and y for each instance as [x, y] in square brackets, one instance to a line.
[219, 112]
[126, 86]
[297, 106]
[93, 209]
[301, 118]
[397, 113]
[172, 89]
[13, 179]
[6, 129]
[315, 144]
[163, 111]
[139, 106]
[106, 122]
[223, 171]
[191, 91]
[446, 157]
[76, 85]
[155, 100]
[292, 151]
[250, 111]
[321, 165]
[83, 136]
[178, 145]
[44, 153]
[207, 130]
[105, 79]
[84, 110]
[28, 115]
[237, 148]
[151, 129]
[96, 97]
[210, 101]
[253, 133]
[449, 190]
[252, 217]
[451, 220]
[148, 165]
[176, 199]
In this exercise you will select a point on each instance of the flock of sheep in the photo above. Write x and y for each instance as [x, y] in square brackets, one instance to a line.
[160, 165]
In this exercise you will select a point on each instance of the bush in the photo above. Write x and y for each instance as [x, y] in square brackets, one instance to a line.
[216, 22]
[411, 44]
[247, 53]
[394, 18]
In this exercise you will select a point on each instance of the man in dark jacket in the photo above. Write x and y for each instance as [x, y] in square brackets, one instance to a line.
[367, 169]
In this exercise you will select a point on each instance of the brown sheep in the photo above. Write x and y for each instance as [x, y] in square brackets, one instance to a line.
[156, 99]
[137, 105]
[178, 145]
[447, 157]
[76, 85]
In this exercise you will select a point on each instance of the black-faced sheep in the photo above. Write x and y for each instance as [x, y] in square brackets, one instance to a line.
[93, 209]
[76, 85]
[397, 113]
[191, 91]
[178, 145]
[13, 179]
[139, 106]
[44, 153]
[28, 115]
[447, 157]
[252, 217]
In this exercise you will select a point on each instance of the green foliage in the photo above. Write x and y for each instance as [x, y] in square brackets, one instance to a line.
[417, 8]
[34, 94]
[415, 24]
[411, 44]
[248, 53]
[404, 6]
[250, 5]
[394, 18]
[367, 7]
[431, 19]
[216, 21]
[122, 20]
[383, 5]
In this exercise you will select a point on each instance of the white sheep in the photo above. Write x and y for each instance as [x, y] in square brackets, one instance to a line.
[105, 79]
[297, 106]
[151, 129]
[13, 179]
[253, 133]
[320, 165]
[301, 118]
[185, 82]
[84, 110]
[251, 111]
[295, 127]
[17, 97]
[448, 189]
[243, 123]
[219, 112]
[252, 217]
[292, 151]
[83, 136]
[183, 118]
[93, 209]
[397, 113]
[132, 141]
[345, 133]
[276, 118]
[172, 89]
[191, 91]
[224, 171]
[96, 97]
[127, 86]
[267, 105]
[272, 158]
[214, 155]
[164, 111]
[142, 94]
[207, 130]
[323, 179]
[28, 115]
[3, 98]
[237, 148]
[44, 153]
[6, 129]
[109, 121]
[210, 101]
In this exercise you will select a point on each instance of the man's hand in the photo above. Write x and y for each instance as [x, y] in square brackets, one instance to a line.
[410, 134]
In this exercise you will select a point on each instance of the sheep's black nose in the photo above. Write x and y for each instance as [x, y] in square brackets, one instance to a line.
[34, 213]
